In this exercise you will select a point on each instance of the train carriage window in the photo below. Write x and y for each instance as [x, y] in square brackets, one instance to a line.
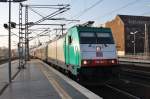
[96, 38]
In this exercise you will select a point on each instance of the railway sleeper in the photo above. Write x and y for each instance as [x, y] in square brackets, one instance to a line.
[134, 73]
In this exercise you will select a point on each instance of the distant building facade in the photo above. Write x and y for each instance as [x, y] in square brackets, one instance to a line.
[124, 27]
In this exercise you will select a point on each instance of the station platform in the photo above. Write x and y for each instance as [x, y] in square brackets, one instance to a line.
[136, 60]
[40, 81]
[4, 77]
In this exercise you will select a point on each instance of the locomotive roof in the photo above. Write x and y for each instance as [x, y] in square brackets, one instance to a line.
[81, 28]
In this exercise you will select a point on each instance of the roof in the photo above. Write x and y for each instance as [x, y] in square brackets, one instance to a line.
[139, 19]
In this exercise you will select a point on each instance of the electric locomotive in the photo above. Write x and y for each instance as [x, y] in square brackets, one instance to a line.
[84, 52]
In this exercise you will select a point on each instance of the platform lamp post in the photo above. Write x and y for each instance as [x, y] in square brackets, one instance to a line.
[9, 36]
[133, 33]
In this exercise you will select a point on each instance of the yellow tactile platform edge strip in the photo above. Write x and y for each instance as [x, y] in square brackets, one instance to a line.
[83, 90]
[62, 93]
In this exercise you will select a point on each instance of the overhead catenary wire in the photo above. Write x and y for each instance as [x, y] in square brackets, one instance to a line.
[86, 10]
[60, 19]
[41, 33]
[36, 12]
[59, 11]
[89, 8]
[118, 9]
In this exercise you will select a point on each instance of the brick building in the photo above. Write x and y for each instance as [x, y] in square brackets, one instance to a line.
[124, 27]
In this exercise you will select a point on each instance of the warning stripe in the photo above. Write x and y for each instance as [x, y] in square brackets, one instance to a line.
[62, 93]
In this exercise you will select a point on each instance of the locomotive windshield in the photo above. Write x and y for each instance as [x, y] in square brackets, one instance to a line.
[96, 38]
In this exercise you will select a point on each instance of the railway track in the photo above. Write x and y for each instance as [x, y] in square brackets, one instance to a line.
[111, 92]
[121, 89]
[130, 83]
[2, 61]
[127, 94]
[136, 73]
[140, 75]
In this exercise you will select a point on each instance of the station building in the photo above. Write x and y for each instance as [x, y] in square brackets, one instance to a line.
[131, 34]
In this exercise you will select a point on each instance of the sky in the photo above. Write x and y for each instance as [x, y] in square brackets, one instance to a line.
[99, 11]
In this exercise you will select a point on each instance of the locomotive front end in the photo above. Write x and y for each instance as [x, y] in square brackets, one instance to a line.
[97, 48]
[97, 53]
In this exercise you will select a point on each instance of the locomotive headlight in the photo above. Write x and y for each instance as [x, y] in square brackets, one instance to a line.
[113, 61]
[84, 62]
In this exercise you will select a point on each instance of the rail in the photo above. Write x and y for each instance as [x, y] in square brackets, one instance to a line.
[121, 91]
[136, 73]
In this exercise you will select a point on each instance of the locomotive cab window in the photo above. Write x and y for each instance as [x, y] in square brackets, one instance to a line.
[87, 35]
[69, 39]
[104, 38]
[103, 34]
[87, 38]
[96, 38]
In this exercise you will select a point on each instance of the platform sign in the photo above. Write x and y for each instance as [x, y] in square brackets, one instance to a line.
[12, 0]
[3, 0]
[18, 0]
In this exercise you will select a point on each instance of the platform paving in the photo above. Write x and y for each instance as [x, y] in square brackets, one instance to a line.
[38, 81]
[4, 78]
